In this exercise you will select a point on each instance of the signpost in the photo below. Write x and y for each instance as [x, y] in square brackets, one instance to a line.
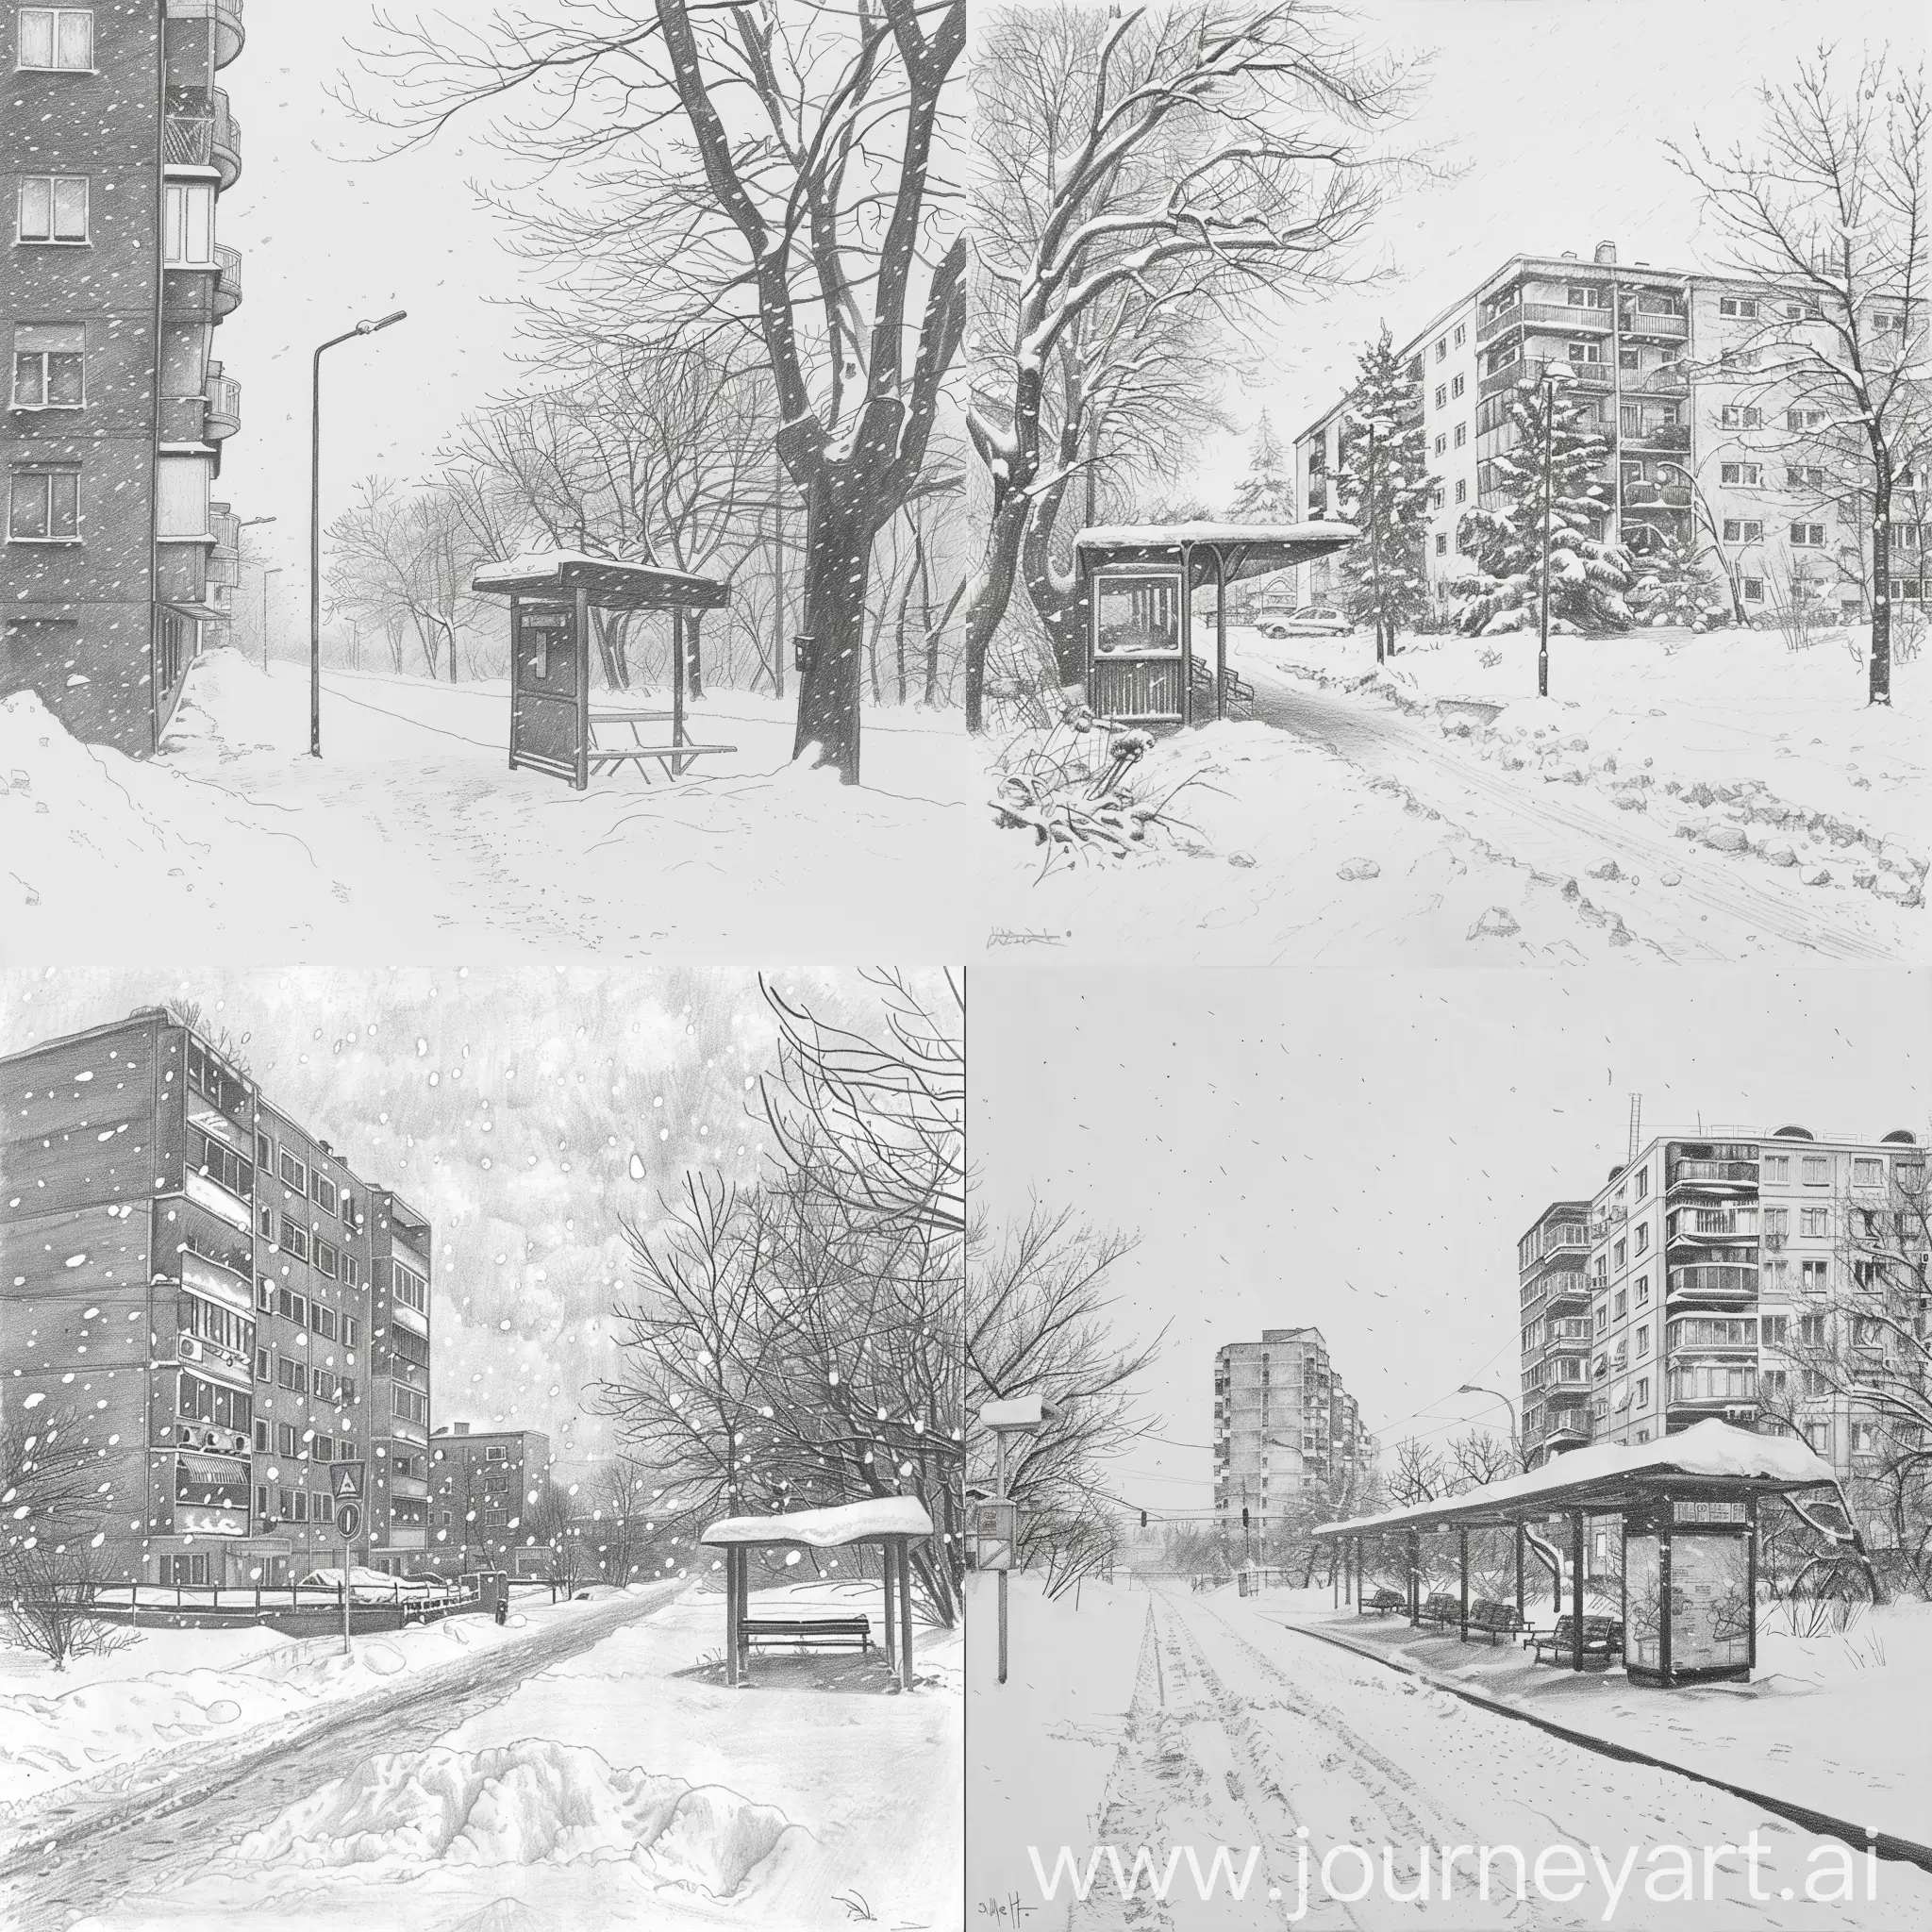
[1024, 1415]
[348, 1520]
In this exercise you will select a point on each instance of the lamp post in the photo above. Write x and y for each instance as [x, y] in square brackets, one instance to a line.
[266, 574]
[1553, 375]
[361, 328]
[1024, 1415]
[1497, 1395]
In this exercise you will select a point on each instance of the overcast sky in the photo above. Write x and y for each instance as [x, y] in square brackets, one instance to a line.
[1359, 1152]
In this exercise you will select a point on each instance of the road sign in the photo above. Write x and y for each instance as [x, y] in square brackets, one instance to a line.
[995, 1528]
[347, 1478]
[348, 1520]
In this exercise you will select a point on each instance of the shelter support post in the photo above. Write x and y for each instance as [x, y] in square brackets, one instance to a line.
[731, 1631]
[1751, 1582]
[1220, 632]
[1462, 1561]
[1519, 1571]
[677, 674]
[1415, 1578]
[892, 1621]
[905, 1615]
[516, 604]
[1666, 1620]
[1576, 1589]
[580, 651]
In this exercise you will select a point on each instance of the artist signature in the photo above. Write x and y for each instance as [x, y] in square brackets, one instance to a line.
[1006, 936]
[1008, 1910]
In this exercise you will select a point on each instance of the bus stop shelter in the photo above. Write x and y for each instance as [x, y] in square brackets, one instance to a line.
[551, 594]
[893, 1523]
[1688, 1507]
[1138, 583]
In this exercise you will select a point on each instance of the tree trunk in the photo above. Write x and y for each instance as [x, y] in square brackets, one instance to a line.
[838, 556]
[603, 625]
[1058, 604]
[999, 572]
[1881, 580]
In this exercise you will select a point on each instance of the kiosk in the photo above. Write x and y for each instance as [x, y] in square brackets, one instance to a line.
[1137, 584]
[552, 725]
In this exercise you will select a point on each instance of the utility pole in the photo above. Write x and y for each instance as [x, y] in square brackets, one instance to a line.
[1553, 374]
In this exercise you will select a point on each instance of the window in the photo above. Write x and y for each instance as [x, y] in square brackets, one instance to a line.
[1811, 1331]
[1441, 348]
[323, 1191]
[291, 1375]
[264, 1153]
[189, 236]
[262, 1371]
[1461, 335]
[1441, 445]
[46, 506]
[1622, 1307]
[205, 1402]
[301, 1511]
[1642, 1237]
[1442, 545]
[285, 1439]
[1461, 435]
[1457, 384]
[1803, 477]
[324, 1449]
[1738, 416]
[287, 1510]
[1584, 353]
[1442, 396]
[1620, 1255]
[1777, 1167]
[1817, 1169]
[322, 1320]
[348, 1203]
[1743, 475]
[1463, 490]
[265, 1222]
[211, 1322]
[53, 207]
[1626, 359]
[1642, 1290]
[496, 1452]
[56, 39]
[1815, 1222]
[294, 1240]
[222, 1165]
[47, 365]
[349, 1326]
[325, 1508]
[292, 1308]
[1643, 1183]
[324, 1385]
[1776, 1328]
[1890, 325]
[1643, 1338]
[1743, 307]
[293, 1173]
[1743, 530]
[410, 1404]
[351, 1272]
[327, 1261]
[1868, 1173]
[1642, 1393]
[409, 1288]
[1807, 536]
[1814, 1277]
[1818, 1436]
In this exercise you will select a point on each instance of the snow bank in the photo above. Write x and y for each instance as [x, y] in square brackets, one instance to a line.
[533, 1802]
[826, 1529]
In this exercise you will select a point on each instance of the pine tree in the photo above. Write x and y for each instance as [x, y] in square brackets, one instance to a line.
[1673, 584]
[1588, 578]
[1266, 493]
[1383, 486]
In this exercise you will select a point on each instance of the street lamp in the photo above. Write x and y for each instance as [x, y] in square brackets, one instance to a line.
[1554, 375]
[1022, 1415]
[361, 328]
[1496, 1394]
[266, 574]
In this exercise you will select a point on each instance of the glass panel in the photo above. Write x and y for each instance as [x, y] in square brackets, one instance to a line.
[1711, 1609]
[76, 39]
[36, 37]
[36, 208]
[1137, 615]
[70, 208]
[1644, 1601]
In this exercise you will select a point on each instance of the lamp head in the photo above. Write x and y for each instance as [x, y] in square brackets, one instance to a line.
[368, 329]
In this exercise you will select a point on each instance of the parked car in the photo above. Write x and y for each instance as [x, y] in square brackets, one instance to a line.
[1315, 622]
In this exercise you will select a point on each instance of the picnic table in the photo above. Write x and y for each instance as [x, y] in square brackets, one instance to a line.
[675, 757]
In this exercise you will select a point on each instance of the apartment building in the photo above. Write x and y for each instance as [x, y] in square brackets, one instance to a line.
[1283, 1424]
[485, 1485]
[1709, 1255]
[116, 145]
[1553, 1308]
[1663, 366]
[204, 1288]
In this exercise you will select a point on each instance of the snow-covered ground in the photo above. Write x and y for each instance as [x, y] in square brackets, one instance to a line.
[623, 1785]
[1229, 1730]
[1677, 798]
[158, 1689]
[412, 837]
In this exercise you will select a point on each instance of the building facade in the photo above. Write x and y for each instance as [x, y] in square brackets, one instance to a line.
[485, 1485]
[1663, 368]
[1283, 1424]
[1713, 1261]
[116, 145]
[203, 1288]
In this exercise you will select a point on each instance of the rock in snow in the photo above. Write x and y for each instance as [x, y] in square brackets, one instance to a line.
[1818, 875]
[1725, 838]
[1605, 869]
[1359, 868]
[1497, 922]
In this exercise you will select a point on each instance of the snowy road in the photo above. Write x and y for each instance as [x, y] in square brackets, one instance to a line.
[1245, 1733]
[1713, 913]
[160, 1820]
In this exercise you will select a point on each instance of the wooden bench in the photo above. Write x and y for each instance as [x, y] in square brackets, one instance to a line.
[1494, 1620]
[807, 1632]
[1442, 1608]
[675, 757]
[1603, 1641]
[1381, 1602]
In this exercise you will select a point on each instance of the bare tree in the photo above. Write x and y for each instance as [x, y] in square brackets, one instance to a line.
[1478, 1457]
[1827, 217]
[403, 560]
[1420, 1475]
[1146, 177]
[52, 1511]
[758, 173]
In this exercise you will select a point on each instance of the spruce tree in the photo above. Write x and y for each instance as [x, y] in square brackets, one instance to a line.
[1266, 493]
[1383, 486]
[1672, 585]
[1588, 578]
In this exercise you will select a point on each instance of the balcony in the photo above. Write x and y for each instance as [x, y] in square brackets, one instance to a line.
[1725, 1176]
[202, 132]
[223, 407]
[229, 285]
[225, 1365]
[1663, 328]
[1496, 324]
[224, 24]
[1560, 315]
[1724, 1284]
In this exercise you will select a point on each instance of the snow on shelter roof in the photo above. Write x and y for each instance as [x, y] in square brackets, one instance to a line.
[611, 584]
[1248, 550]
[1710, 1457]
[826, 1529]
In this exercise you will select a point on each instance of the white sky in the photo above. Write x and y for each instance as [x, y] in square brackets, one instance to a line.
[1360, 1151]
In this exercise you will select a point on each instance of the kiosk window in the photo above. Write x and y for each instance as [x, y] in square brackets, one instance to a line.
[545, 658]
[1138, 614]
